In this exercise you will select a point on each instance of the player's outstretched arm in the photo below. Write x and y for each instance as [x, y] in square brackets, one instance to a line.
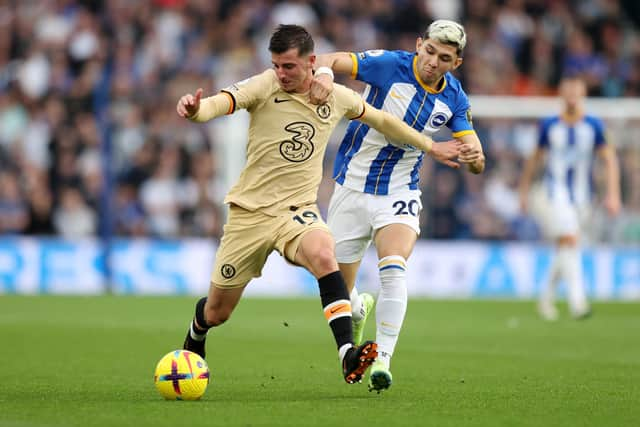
[471, 153]
[194, 108]
[325, 66]
[394, 128]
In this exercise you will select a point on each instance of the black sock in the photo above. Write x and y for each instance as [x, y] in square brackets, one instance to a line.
[337, 307]
[201, 328]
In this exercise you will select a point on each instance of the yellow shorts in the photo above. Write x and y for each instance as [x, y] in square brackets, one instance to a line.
[250, 237]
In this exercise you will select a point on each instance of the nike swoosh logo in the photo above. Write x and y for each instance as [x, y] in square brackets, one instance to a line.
[278, 101]
[396, 95]
[338, 308]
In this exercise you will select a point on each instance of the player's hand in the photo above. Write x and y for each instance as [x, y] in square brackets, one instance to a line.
[469, 153]
[321, 88]
[189, 104]
[446, 153]
[612, 205]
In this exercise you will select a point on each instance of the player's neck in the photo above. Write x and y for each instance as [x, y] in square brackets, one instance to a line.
[573, 114]
[435, 85]
[305, 86]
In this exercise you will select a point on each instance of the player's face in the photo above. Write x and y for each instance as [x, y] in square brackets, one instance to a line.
[294, 71]
[573, 92]
[435, 59]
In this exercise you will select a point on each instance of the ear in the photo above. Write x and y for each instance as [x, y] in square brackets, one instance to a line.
[312, 60]
[418, 43]
[457, 63]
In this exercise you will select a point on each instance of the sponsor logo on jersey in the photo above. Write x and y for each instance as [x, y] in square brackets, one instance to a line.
[300, 147]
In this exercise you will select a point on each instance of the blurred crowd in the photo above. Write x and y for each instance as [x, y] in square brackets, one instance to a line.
[90, 143]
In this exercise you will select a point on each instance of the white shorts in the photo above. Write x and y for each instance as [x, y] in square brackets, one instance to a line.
[354, 217]
[560, 217]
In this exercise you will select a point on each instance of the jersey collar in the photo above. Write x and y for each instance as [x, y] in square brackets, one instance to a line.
[572, 118]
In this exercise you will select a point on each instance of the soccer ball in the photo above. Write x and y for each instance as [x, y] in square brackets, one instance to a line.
[181, 375]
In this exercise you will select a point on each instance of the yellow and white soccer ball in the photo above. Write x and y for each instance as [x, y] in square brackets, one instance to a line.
[181, 375]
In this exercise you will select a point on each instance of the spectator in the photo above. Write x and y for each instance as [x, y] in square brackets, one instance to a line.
[72, 72]
[14, 211]
[73, 218]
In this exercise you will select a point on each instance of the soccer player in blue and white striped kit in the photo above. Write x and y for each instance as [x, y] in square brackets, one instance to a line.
[377, 194]
[569, 141]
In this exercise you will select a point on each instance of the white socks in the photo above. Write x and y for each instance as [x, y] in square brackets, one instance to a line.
[391, 306]
[548, 292]
[571, 270]
[357, 312]
[567, 266]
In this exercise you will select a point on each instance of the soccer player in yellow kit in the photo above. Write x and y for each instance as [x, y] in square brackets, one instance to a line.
[273, 204]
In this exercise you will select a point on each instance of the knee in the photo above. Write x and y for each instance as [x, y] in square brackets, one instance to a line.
[324, 260]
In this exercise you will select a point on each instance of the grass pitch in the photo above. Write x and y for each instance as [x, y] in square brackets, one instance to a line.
[89, 361]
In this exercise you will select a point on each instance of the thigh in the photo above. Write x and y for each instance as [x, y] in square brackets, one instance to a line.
[315, 252]
[586, 223]
[293, 225]
[350, 224]
[395, 239]
[246, 243]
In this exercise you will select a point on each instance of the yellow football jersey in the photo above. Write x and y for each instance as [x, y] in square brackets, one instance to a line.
[288, 137]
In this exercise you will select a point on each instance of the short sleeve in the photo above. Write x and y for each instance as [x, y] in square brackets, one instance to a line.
[461, 122]
[600, 138]
[251, 91]
[543, 137]
[349, 101]
[375, 66]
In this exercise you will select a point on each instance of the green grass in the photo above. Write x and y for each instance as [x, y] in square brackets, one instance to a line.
[89, 361]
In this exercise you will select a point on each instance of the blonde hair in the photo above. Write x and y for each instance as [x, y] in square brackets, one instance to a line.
[447, 32]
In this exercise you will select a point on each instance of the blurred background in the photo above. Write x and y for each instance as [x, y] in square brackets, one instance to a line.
[104, 187]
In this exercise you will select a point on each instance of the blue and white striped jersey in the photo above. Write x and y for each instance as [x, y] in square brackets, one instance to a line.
[571, 147]
[367, 161]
